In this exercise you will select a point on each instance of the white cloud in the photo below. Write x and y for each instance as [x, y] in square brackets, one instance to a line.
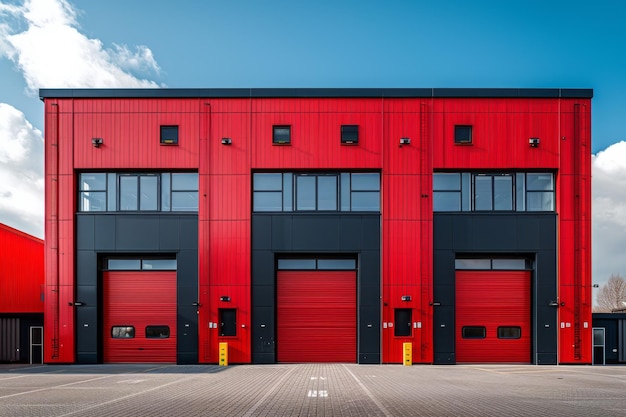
[52, 53]
[21, 172]
[42, 39]
[609, 212]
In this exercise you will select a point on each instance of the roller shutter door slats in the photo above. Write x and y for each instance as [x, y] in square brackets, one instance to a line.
[316, 316]
[493, 299]
[139, 299]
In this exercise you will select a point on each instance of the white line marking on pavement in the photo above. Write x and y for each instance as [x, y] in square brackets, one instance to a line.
[125, 397]
[55, 387]
[268, 393]
[369, 394]
[131, 381]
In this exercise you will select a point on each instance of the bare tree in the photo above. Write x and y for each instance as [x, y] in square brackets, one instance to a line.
[612, 295]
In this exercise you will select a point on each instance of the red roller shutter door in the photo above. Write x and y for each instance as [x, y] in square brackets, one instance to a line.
[316, 316]
[139, 299]
[493, 299]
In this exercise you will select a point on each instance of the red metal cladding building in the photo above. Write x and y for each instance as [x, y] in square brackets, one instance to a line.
[21, 296]
[318, 225]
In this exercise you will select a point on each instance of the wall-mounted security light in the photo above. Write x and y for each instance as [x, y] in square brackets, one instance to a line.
[76, 304]
[406, 298]
[405, 141]
[533, 142]
[227, 141]
[224, 298]
[196, 304]
[96, 142]
[553, 304]
[434, 303]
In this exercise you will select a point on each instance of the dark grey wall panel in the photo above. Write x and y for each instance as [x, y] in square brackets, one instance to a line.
[444, 261]
[189, 233]
[321, 233]
[146, 234]
[263, 269]
[369, 331]
[85, 239]
[370, 233]
[524, 234]
[187, 266]
[263, 228]
[444, 238]
[315, 233]
[187, 334]
[104, 235]
[491, 233]
[88, 295]
[348, 239]
[367, 294]
[263, 334]
[137, 233]
[263, 295]
[169, 233]
[369, 261]
[443, 333]
[281, 230]
[85, 259]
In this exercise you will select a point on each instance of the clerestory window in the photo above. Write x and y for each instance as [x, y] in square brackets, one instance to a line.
[493, 191]
[128, 192]
[300, 191]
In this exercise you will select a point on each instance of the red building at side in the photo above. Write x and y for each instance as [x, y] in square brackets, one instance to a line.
[306, 225]
[21, 296]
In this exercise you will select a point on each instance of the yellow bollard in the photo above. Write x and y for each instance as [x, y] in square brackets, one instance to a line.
[408, 353]
[223, 354]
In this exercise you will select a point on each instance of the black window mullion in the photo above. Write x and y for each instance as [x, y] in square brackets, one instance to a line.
[138, 177]
[317, 197]
[493, 192]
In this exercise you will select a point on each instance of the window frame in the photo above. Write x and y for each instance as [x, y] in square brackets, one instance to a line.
[463, 134]
[138, 191]
[344, 195]
[464, 335]
[165, 132]
[161, 192]
[349, 134]
[516, 200]
[138, 263]
[276, 139]
[518, 336]
[123, 327]
[85, 192]
[154, 327]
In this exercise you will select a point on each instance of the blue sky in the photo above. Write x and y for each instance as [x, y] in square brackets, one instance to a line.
[275, 43]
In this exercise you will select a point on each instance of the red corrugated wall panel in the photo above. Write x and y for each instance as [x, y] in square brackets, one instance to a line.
[315, 132]
[238, 345]
[574, 208]
[316, 316]
[59, 240]
[491, 299]
[225, 228]
[139, 299]
[131, 134]
[501, 129]
[21, 272]
[406, 214]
